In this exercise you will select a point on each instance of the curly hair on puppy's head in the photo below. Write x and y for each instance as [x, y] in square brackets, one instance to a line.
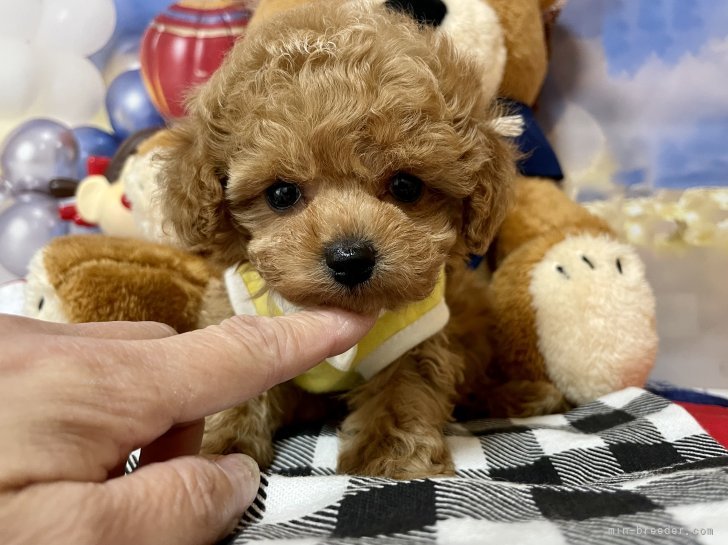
[339, 103]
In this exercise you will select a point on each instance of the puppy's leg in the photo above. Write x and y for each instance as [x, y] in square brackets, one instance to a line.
[396, 425]
[249, 428]
[470, 318]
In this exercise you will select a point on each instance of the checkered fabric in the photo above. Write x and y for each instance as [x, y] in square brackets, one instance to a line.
[631, 467]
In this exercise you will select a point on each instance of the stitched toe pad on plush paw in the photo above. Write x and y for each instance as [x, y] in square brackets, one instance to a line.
[595, 316]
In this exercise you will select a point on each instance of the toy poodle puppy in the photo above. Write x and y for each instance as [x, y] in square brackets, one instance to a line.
[345, 156]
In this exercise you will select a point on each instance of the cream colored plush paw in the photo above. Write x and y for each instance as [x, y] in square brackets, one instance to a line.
[41, 300]
[595, 316]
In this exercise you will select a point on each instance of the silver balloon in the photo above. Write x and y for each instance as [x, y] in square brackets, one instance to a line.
[25, 227]
[6, 195]
[37, 151]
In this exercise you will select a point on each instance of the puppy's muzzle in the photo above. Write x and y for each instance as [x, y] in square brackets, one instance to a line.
[350, 262]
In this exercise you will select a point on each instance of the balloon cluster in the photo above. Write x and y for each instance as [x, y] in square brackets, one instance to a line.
[67, 59]
[50, 82]
[45, 44]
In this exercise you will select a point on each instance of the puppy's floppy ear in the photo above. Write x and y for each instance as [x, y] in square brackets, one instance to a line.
[487, 156]
[485, 208]
[194, 176]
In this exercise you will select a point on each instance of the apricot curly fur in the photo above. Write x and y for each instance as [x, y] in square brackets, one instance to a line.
[337, 99]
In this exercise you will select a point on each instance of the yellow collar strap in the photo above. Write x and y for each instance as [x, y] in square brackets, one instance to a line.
[394, 333]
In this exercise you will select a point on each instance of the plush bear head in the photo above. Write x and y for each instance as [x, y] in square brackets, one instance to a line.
[506, 36]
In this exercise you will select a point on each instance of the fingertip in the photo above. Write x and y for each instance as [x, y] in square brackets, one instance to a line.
[208, 496]
[206, 371]
[347, 327]
[244, 476]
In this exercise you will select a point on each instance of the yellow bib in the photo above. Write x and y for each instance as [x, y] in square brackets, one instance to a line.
[394, 333]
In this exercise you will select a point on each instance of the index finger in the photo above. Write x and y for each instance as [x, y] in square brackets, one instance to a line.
[11, 325]
[76, 406]
[200, 373]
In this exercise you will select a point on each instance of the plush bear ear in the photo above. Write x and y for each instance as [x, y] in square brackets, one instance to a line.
[425, 12]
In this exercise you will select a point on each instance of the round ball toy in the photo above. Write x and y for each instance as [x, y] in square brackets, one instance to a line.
[37, 151]
[25, 227]
[185, 44]
[129, 106]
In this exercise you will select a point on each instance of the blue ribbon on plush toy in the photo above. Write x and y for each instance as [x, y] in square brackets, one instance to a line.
[538, 158]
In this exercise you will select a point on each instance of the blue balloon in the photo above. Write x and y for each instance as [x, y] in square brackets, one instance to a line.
[129, 107]
[93, 141]
[133, 16]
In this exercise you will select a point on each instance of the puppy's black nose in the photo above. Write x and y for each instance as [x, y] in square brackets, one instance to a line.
[351, 262]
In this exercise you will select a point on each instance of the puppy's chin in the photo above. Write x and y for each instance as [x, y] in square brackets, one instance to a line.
[356, 300]
[370, 297]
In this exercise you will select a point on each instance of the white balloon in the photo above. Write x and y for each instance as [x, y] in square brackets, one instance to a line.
[19, 18]
[71, 88]
[18, 76]
[80, 26]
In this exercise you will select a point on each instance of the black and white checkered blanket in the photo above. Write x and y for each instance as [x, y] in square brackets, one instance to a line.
[631, 467]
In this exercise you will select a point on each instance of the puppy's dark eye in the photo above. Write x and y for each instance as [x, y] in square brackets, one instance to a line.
[282, 195]
[405, 187]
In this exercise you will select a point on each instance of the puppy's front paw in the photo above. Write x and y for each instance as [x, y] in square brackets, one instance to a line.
[400, 455]
[259, 449]
[227, 433]
[524, 398]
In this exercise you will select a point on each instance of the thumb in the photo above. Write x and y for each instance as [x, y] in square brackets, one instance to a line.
[189, 500]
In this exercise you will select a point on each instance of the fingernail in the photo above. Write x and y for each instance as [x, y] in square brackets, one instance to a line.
[245, 476]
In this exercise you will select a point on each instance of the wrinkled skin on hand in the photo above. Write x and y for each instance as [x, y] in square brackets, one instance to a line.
[78, 398]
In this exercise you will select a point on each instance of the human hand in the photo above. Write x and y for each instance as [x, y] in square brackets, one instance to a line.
[76, 399]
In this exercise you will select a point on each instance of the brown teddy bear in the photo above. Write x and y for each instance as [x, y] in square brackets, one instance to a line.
[573, 317]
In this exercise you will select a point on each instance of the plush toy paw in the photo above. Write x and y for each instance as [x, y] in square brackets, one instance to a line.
[575, 311]
[571, 304]
[595, 316]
